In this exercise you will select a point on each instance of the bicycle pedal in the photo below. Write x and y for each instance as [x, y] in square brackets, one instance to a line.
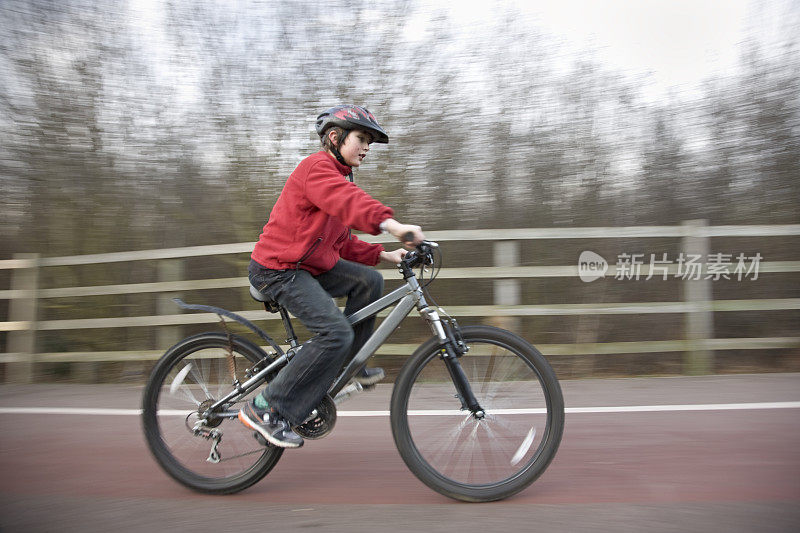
[351, 389]
[261, 440]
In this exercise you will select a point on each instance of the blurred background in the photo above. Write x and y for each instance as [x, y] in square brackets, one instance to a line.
[137, 125]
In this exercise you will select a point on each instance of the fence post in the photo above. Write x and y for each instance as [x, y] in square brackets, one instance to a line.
[507, 291]
[168, 270]
[166, 336]
[23, 309]
[697, 294]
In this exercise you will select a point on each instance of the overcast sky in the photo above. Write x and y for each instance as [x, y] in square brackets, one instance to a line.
[670, 46]
[676, 43]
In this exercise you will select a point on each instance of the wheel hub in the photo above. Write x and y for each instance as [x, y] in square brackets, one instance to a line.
[211, 422]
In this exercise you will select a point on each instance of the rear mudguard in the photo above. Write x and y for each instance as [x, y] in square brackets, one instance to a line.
[233, 316]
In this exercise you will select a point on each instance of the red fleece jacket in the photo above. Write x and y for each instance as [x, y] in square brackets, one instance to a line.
[309, 225]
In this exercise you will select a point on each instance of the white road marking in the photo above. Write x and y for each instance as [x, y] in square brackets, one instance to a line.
[433, 412]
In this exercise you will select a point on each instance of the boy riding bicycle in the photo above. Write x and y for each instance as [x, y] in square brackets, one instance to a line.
[307, 254]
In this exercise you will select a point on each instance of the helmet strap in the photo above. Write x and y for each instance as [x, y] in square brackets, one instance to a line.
[335, 149]
[338, 156]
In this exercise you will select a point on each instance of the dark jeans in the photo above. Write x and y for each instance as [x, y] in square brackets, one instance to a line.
[300, 385]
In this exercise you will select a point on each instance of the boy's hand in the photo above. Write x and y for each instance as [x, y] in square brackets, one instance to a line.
[400, 231]
[393, 257]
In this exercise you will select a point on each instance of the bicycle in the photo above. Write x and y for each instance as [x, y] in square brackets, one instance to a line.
[476, 412]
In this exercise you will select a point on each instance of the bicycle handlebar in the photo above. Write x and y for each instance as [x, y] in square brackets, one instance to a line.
[421, 255]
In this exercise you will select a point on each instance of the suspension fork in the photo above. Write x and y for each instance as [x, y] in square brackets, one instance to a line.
[463, 388]
[450, 356]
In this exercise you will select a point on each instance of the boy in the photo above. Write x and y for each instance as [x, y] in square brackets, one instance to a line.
[307, 254]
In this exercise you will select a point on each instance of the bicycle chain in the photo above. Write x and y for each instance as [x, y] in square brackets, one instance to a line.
[260, 450]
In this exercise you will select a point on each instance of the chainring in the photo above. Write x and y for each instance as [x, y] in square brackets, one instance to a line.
[322, 424]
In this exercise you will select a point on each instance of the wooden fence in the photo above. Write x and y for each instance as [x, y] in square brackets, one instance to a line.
[697, 304]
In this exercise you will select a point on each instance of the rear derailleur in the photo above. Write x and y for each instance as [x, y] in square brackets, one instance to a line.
[208, 430]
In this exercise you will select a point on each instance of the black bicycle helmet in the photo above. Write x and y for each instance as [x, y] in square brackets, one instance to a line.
[350, 117]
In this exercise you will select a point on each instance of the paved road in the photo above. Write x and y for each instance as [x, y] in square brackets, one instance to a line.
[710, 469]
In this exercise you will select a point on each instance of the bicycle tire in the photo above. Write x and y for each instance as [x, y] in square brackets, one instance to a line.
[478, 460]
[190, 369]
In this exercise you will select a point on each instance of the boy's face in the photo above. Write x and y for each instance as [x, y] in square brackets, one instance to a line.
[355, 147]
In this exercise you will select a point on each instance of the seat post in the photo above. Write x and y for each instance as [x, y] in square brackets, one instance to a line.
[287, 325]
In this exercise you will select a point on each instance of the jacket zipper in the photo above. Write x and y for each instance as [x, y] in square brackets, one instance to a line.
[305, 256]
[309, 252]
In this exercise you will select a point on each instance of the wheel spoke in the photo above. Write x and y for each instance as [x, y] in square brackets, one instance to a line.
[489, 459]
[201, 377]
[449, 442]
[187, 393]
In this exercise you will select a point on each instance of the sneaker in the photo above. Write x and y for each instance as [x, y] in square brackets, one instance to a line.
[269, 425]
[369, 376]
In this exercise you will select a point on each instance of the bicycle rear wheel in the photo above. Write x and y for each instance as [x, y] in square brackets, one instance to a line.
[473, 459]
[190, 377]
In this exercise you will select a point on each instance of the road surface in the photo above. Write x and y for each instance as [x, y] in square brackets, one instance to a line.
[709, 454]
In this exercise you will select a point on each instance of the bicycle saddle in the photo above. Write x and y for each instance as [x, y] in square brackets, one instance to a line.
[271, 305]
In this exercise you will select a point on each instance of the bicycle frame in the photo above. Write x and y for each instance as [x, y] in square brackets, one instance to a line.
[407, 297]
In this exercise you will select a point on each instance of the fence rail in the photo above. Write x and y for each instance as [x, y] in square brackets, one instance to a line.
[697, 305]
[513, 234]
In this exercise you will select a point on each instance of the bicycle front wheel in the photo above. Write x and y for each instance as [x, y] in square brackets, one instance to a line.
[478, 459]
[217, 456]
